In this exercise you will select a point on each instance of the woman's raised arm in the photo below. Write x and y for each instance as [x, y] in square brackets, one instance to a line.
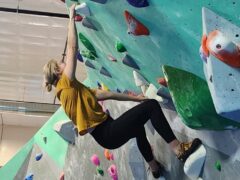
[71, 61]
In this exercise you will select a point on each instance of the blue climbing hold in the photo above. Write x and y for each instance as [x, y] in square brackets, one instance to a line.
[129, 61]
[87, 23]
[29, 177]
[100, 1]
[105, 72]
[79, 57]
[38, 156]
[138, 3]
[88, 64]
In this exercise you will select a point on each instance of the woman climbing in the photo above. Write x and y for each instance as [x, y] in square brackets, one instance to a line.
[81, 105]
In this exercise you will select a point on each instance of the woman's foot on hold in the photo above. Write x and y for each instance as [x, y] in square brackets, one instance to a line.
[186, 149]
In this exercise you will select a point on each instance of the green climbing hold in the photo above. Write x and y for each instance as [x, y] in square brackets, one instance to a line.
[120, 47]
[87, 44]
[100, 171]
[193, 101]
[88, 54]
[218, 165]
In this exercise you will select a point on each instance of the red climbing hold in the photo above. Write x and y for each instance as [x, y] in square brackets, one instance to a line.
[78, 18]
[134, 26]
[162, 81]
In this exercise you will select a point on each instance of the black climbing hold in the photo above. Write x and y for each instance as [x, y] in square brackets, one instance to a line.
[88, 64]
[129, 61]
[105, 72]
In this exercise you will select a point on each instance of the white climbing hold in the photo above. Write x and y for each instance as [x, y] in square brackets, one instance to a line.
[65, 129]
[194, 163]
[82, 9]
[151, 93]
[140, 81]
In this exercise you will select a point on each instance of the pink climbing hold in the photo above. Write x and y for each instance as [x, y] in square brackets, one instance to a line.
[112, 171]
[95, 160]
[61, 176]
[78, 18]
[111, 58]
[135, 27]
[162, 81]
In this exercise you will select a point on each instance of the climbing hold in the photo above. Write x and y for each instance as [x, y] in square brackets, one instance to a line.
[112, 171]
[79, 57]
[135, 27]
[99, 85]
[111, 58]
[87, 23]
[194, 163]
[63, 1]
[65, 130]
[223, 48]
[78, 18]
[104, 87]
[105, 72]
[38, 156]
[88, 54]
[100, 1]
[218, 165]
[129, 61]
[163, 92]
[162, 81]
[95, 160]
[88, 64]
[138, 3]
[87, 44]
[202, 54]
[45, 139]
[29, 177]
[61, 176]
[120, 47]
[82, 9]
[107, 154]
[100, 171]
[151, 93]
[140, 81]
[118, 90]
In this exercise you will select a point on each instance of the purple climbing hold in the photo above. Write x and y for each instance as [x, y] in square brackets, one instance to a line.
[105, 72]
[202, 55]
[129, 61]
[29, 177]
[100, 1]
[138, 3]
[87, 23]
[88, 64]
[38, 156]
[79, 57]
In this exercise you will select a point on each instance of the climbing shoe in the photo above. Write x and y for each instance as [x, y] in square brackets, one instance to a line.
[159, 172]
[186, 149]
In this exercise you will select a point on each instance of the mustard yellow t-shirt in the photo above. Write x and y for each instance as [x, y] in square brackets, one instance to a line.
[80, 104]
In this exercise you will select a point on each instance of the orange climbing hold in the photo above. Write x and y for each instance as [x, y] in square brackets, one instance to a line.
[217, 44]
[134, 26]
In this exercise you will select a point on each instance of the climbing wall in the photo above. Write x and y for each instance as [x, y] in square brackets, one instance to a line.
[153, 38]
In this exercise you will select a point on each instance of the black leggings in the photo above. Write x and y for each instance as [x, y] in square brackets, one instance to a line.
[112, 134]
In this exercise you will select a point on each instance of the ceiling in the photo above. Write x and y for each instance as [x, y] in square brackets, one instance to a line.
[27, 42]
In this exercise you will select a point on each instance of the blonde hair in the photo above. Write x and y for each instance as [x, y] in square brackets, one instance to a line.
[50, 71]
